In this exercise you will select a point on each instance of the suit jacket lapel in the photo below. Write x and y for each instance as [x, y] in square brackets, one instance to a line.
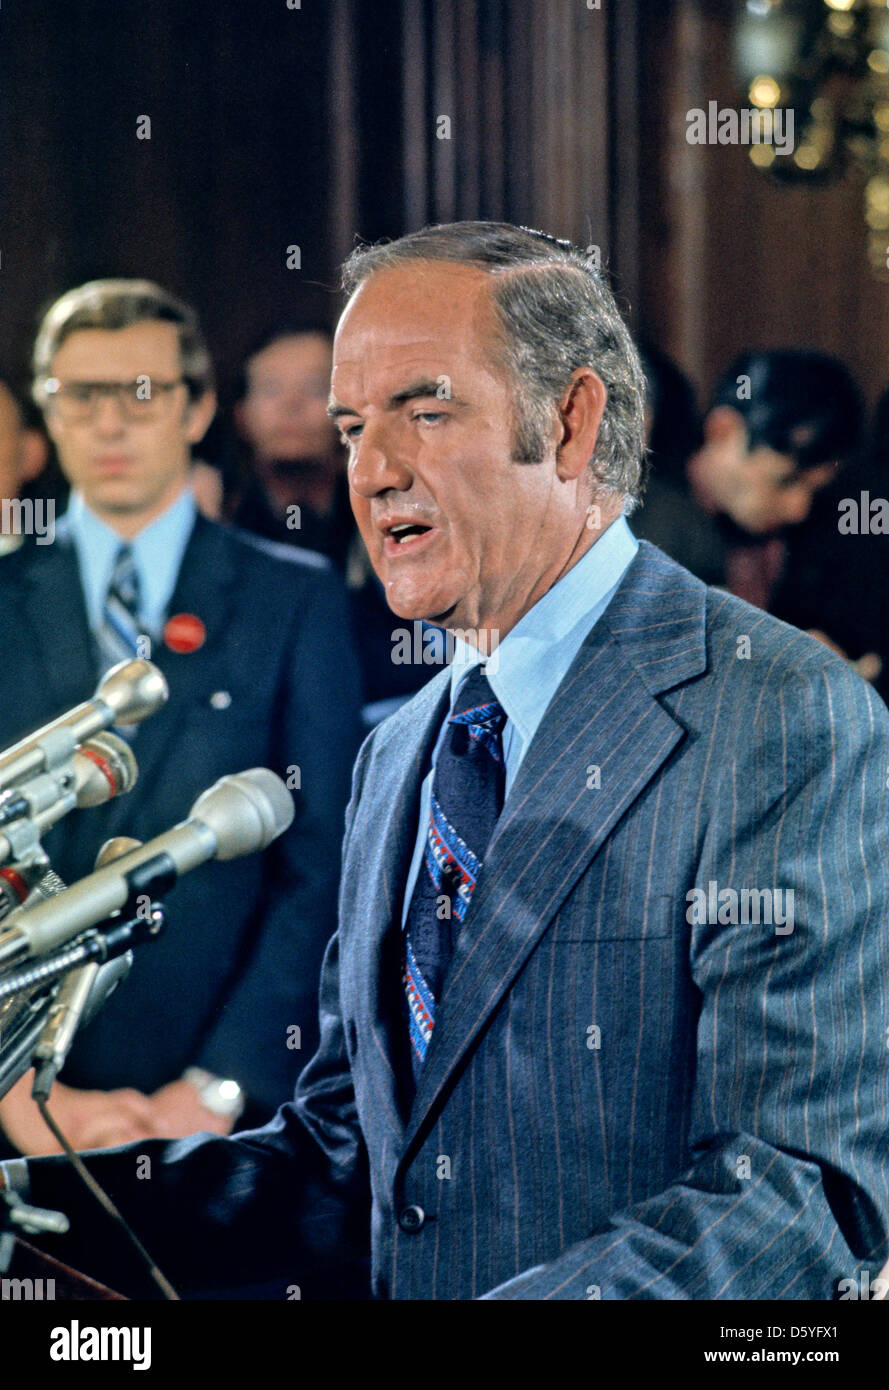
[385, 835]
[56, 624]
[604, 715]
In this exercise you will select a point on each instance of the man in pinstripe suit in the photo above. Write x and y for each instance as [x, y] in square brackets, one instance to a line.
[653, 1063]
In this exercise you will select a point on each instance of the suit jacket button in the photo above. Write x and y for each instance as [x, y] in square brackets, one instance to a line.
[412, 1219]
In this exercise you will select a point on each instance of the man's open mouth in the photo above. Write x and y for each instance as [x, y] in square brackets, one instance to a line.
[406, 531]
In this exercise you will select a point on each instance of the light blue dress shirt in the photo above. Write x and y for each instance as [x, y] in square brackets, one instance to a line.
[529, 665]
[157, 553]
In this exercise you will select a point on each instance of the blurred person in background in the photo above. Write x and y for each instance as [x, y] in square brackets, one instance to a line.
[781, 425]
[844, 591]
[218, 1015]
[23, 457]
[672, 418]
[296, 489]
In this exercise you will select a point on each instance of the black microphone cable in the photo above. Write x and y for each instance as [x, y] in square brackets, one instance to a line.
[107, 1205]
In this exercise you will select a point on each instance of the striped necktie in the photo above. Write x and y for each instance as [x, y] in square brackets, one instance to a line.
[467, 797]
[119, 630]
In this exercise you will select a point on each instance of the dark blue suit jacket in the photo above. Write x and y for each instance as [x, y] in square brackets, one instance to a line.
[619, 1100]
[239, 964]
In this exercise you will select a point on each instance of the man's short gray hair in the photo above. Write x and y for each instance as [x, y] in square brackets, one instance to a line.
[556, 314]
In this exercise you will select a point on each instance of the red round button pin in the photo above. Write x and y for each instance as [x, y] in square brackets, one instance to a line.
[184, 633]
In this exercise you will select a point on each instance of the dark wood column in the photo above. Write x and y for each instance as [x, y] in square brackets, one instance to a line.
[502, 109]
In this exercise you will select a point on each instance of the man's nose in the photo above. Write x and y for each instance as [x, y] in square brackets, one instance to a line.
[377, 464]
[295, 403]
[108, 414]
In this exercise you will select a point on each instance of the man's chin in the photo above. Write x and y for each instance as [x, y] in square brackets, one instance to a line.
[115, 503]
[754, 528]
[418, 610]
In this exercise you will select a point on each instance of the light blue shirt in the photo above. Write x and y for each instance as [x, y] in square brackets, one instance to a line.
[529, 665]
[157, 553]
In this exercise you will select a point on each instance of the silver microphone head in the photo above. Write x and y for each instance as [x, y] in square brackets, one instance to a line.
[133, 690]
[114, 848]
[245, 811]
[105, 983]
[104, 767]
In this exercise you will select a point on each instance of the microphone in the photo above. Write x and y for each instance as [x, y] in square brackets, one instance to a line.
[78, 998]
[103, 767]
[239, 814]
[114, 848]
[127, 694]
[28, 884]
[81, 995]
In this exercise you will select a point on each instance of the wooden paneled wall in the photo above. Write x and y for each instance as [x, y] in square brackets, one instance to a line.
[273, 126]
[502, 110]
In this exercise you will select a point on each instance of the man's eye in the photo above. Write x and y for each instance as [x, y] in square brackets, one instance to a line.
[350, 432]
[429, 416]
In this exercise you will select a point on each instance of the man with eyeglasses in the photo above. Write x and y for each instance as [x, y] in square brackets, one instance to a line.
[216, 1019]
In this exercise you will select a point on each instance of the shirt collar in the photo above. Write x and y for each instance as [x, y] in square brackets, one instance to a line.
[157, 550]
[529, 665]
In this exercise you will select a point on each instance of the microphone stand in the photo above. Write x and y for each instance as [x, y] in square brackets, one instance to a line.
[18, 1218]
[103, 942]
[21, 1034]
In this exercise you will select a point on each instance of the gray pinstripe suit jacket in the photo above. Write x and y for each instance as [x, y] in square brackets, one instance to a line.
[616, 1101]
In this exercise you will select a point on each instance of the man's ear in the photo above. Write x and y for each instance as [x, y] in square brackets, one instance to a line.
[198, 416]
[724, 425]
[33, 453]
[580, 414]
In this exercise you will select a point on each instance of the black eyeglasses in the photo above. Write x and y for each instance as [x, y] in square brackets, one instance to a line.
[76, 401]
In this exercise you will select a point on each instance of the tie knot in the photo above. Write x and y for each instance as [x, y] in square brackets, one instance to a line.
[476, 702]
[125, 577]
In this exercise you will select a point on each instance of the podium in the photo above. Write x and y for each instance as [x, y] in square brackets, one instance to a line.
[50, 1279]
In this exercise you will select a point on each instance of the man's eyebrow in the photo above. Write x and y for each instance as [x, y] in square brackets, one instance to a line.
[422, 389]
[439, 389]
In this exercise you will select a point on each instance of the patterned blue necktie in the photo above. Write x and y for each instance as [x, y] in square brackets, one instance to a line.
[119, 631]
[467, 797]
